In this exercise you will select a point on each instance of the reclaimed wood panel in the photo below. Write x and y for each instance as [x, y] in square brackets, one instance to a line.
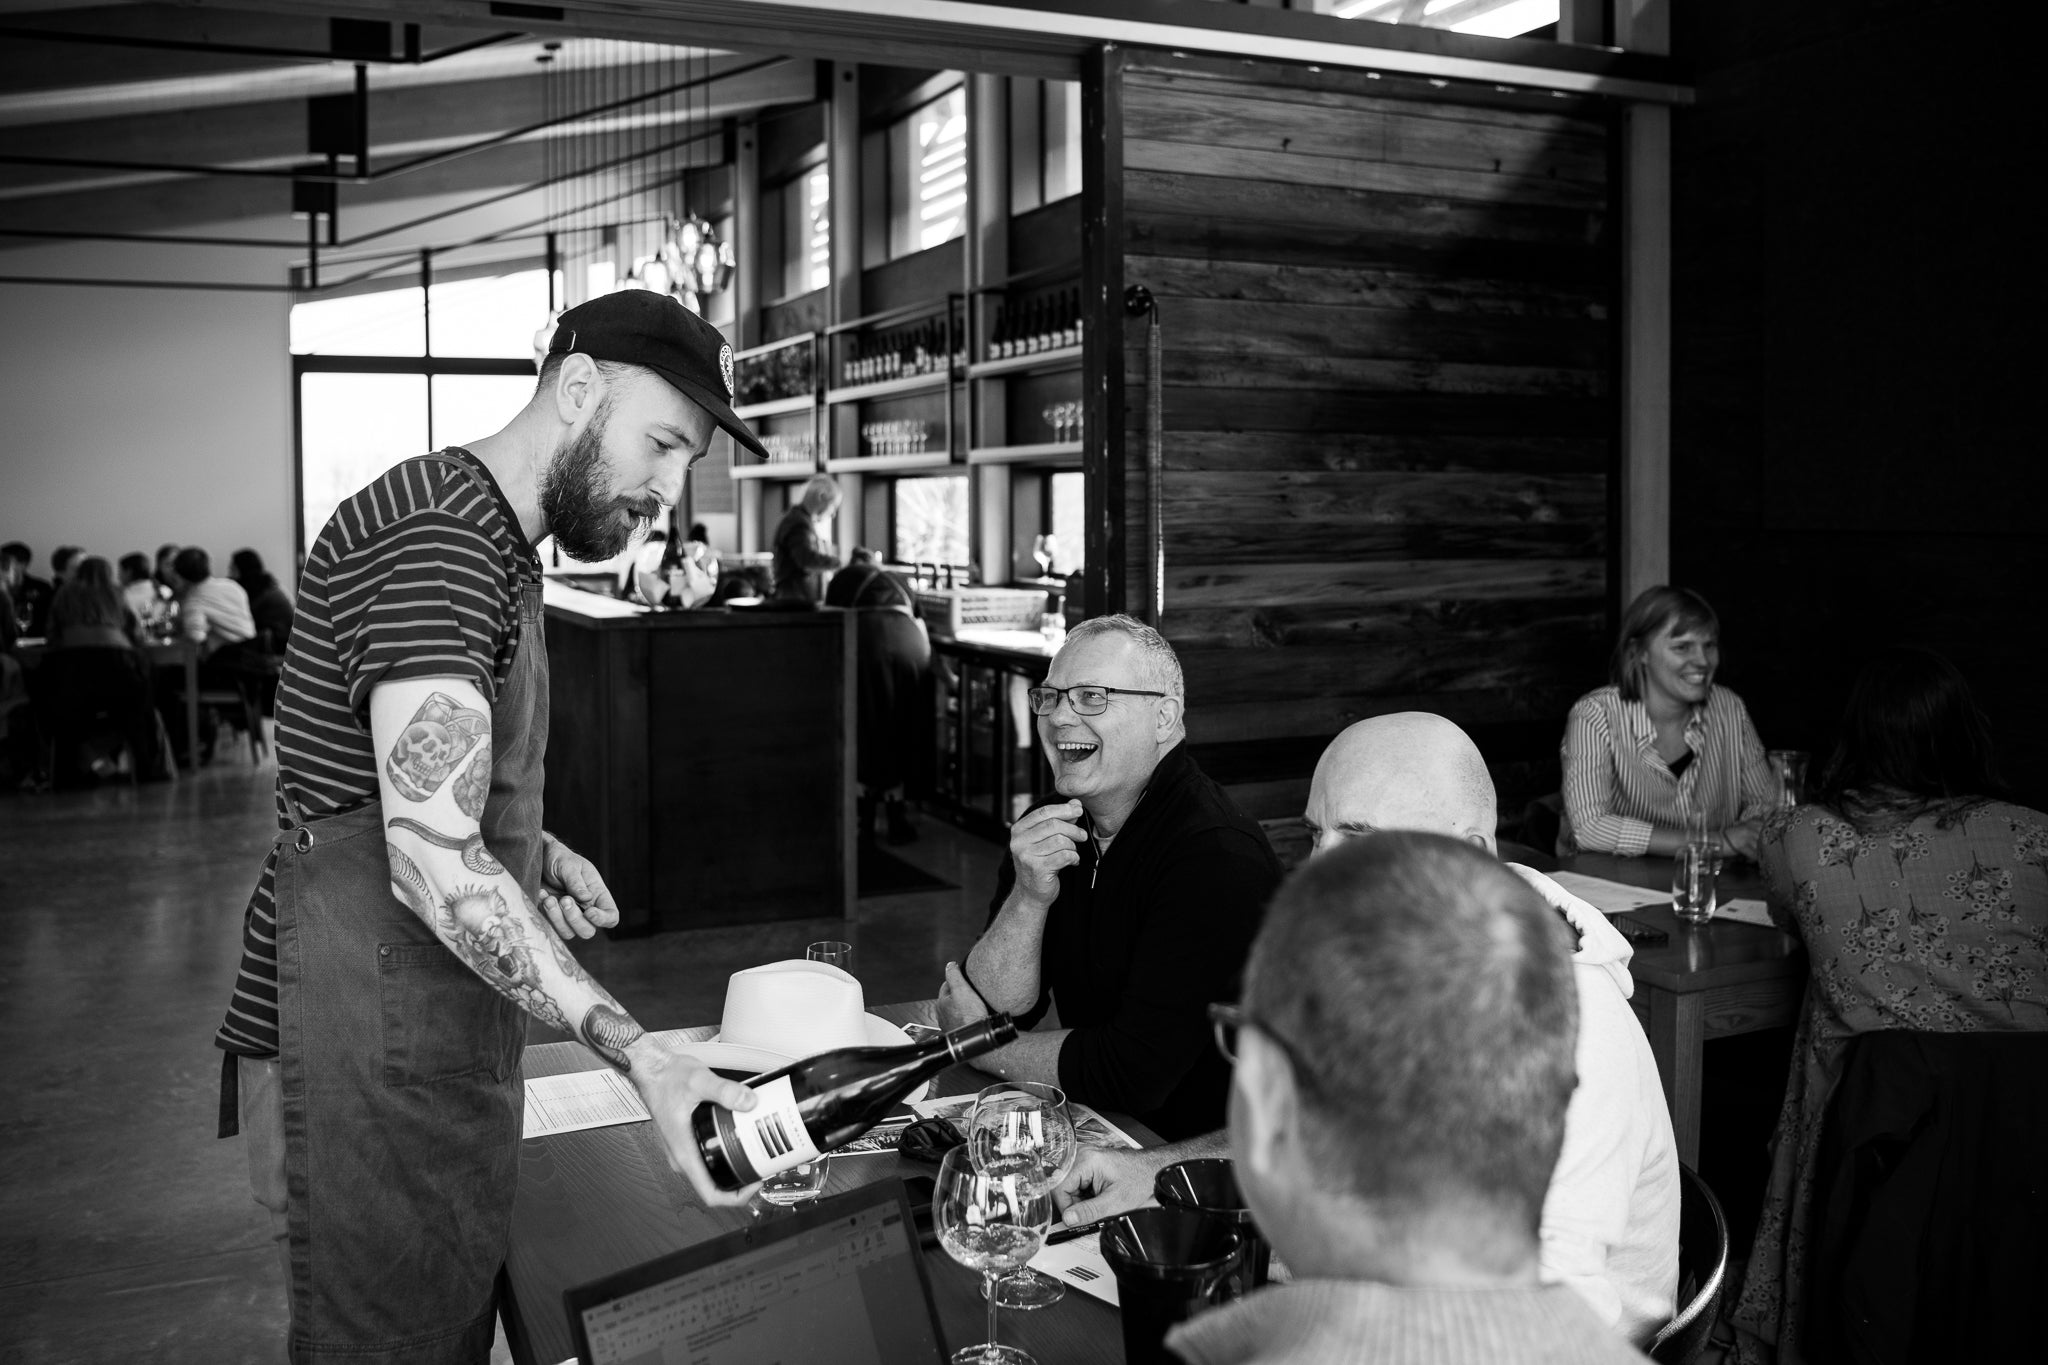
[1388, 389]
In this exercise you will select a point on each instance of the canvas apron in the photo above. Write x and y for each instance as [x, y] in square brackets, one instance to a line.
[400, 1073]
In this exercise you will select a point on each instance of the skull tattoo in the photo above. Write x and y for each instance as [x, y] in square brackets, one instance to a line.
[439, 737]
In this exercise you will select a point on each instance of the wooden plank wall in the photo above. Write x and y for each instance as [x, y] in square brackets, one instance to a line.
[1388, 404]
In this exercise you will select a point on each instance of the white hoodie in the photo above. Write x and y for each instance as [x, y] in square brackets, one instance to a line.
[1610, 1221]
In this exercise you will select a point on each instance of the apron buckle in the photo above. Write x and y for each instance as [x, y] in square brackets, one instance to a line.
[303, 840]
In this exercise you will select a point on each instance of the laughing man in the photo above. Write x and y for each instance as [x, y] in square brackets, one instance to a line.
[1128, 901]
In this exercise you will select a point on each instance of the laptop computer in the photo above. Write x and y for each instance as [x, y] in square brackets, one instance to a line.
[838, 1283]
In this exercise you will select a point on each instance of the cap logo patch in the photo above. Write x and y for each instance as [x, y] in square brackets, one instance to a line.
[725, 369]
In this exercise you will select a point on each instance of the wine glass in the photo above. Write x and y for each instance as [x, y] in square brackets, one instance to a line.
[1042, 551]
[1024, 1127]
[990, 1222]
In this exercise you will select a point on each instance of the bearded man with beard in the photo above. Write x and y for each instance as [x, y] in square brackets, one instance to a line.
[413, 912]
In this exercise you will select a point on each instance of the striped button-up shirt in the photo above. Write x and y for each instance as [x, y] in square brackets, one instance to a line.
[1617, 789]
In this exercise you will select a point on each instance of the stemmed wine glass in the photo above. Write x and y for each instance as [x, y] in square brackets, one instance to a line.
[1043, 548]
[1024, 1127]
[990, 1222]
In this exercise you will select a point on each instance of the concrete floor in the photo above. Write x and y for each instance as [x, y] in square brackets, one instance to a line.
[126, 1229]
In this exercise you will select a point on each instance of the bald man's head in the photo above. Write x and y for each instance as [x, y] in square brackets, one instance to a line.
[1407, 771]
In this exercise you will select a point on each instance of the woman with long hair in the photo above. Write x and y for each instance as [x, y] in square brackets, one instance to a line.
[89, 610]
[1662, 740]
[1922, 899]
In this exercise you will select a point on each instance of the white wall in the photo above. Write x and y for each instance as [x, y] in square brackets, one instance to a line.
[138, 416]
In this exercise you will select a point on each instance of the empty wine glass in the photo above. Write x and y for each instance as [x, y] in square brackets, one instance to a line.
[1042, 549]
[990, 1222]
[1023, 1127]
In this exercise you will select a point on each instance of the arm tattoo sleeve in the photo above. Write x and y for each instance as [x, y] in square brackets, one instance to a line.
[475, 856]
[485, 933]
[439, 737]
[409, 885]
[610, 1031]
[473, 785]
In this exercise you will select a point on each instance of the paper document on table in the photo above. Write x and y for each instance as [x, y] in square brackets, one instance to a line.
[579, 1100]
[1080, 1264]
[1608, 897]
[1089, 1126]
[1746, 910]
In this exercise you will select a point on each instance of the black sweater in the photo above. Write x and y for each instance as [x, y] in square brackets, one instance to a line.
[1135, 951]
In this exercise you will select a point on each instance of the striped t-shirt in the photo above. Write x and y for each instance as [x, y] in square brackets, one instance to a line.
[1617, 789]
[416, 576]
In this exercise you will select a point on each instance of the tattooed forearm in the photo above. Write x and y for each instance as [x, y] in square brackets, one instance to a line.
[609, 1031]
[408, 885]
[434, 743]
[475, 856]
[483, 931]
[566, 960]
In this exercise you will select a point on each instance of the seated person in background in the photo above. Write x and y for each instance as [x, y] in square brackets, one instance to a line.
[213, 611]
[139, 590]
[1403, 1063]
[1610, 1220]
[270, 607]
[88, 611]
[31, 594]
[1661, 740]
[94, 679]
[893, 661]
[1128, 902]
[1923, 903]
[166, 575]
[61, 561]
[801, 550]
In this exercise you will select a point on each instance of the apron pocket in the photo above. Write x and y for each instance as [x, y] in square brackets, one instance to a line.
[440, 1020]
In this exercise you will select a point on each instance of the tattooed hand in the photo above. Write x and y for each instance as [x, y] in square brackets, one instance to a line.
[434, 743]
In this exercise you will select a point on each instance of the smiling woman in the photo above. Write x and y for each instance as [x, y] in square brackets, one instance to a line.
[1662, 741]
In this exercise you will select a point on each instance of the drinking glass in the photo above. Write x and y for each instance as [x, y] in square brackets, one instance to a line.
[1788, 766]
[990, 1222]
[797, 1185]
[1024, 1127]
[1692, 882]
[829, 950]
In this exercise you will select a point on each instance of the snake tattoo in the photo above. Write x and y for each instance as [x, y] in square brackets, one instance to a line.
[475, 856]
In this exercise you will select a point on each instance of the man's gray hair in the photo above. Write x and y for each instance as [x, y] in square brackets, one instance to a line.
[1425, 996]
[820, 495]
[1158, 662]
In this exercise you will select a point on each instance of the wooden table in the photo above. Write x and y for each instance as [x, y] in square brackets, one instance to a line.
[177, 652]
[602, 1200]
[1714, 981]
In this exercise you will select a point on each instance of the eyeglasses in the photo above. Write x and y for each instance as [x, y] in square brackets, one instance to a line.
[1227, 1020]
[1087, 700]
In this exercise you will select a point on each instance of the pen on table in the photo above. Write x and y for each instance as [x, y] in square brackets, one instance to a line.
[1064, 1234]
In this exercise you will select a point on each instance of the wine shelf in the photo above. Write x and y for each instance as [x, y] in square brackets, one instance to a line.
[1044, 452]
[1064, 358]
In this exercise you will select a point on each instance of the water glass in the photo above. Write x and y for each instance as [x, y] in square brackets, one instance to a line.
[831, 951]
[1024, 1127]
[1692, 882]
[798, 1184]
[1788, 767]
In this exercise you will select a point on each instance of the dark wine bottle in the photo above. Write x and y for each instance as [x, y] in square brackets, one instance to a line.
[823, 1102]
[999, 339]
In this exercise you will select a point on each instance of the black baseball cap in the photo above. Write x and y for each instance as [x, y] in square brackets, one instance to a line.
[641, 327]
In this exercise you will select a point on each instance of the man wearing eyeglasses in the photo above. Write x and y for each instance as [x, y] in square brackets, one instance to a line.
[1128, 902]
[1404, 1057]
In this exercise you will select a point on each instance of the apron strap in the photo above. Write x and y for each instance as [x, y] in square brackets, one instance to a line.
[230, 1094]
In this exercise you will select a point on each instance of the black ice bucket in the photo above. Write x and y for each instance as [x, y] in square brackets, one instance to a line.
[1169, 1264]
[1209, 1187]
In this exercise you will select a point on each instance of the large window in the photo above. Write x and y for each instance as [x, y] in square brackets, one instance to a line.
[927, 174]
[804, 208]
[929, 520]
[1045, 142]
[1049, 528]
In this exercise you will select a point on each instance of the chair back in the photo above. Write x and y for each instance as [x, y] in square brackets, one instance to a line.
[1702, 1272]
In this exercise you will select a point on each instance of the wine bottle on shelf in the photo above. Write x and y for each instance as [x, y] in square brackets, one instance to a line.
[814, 1105]
[999, 335]
[1070, 335]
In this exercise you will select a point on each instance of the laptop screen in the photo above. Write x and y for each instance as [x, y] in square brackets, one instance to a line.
[838, 1284]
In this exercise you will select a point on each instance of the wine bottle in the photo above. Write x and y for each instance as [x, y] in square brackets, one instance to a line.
[999, 339]
[814, 1105]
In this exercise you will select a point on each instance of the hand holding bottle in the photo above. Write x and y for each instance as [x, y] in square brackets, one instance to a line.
[674, 1087]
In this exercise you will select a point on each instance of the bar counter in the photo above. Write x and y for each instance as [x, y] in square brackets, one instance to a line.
[703, 759]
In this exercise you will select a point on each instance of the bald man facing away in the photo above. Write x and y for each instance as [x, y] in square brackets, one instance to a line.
[1610, 1220]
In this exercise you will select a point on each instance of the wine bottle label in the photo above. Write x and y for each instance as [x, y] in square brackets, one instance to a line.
[772, 1134]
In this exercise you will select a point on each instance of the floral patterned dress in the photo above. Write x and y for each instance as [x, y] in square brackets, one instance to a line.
[1927, 918]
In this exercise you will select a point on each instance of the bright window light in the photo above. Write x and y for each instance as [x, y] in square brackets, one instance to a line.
[1511, 20]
